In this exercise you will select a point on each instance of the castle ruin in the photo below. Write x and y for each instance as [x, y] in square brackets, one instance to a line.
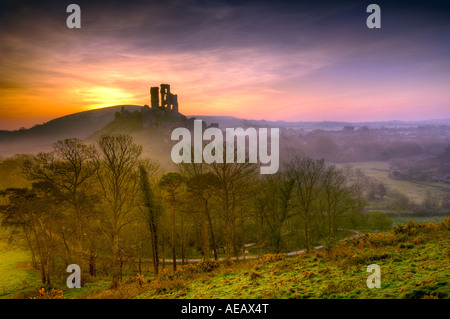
[163, 111]
[169, 101]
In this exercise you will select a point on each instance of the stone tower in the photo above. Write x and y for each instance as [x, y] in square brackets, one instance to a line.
[154, 97]
[169, 101]
[174, 102]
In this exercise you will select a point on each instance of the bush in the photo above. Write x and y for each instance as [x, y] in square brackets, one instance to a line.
[139, 279]
[203, 266]
[375, 240]
[411, 228]
[270, 258]
[207, 266]
[49, 294]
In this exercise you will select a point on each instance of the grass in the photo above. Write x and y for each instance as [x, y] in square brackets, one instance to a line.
[415, 191]
[397, 219]
[90, 287]
[16, 273]
[19, 280]
[414, 261]
[403, 219]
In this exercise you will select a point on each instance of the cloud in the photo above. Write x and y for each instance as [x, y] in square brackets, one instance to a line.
[272, 59]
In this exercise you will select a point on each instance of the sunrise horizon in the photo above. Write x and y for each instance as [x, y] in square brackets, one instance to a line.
[20, 124]
[224, 155]
[288, 61]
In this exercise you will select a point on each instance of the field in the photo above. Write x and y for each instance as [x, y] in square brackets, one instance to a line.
[15, 269]
[403, 219]
[415, 191]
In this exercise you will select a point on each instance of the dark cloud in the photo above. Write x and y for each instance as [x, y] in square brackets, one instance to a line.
[260, 44]
[193, 26]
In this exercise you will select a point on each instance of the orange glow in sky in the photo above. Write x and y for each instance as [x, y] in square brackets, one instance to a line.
[271, 68]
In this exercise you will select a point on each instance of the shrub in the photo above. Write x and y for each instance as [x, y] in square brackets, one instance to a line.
[203, 266]
[411, 228]
[140, 279]
[49, 294]
[207, 266]
[270, 258]
[187, 269]
[375, 240]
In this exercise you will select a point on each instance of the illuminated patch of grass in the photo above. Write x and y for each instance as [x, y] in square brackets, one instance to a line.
[413, 265]
[414, 190]
[414, 260]
[15, 272]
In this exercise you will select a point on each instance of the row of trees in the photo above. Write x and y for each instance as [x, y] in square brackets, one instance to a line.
[104, 207]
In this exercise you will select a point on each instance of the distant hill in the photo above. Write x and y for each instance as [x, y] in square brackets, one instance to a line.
[88, 125]
[40, 137]
[230, 121]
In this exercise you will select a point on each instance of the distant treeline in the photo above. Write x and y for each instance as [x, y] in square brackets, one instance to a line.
[369, 144]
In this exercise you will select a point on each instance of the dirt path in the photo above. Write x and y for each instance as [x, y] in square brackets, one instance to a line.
[292, 253]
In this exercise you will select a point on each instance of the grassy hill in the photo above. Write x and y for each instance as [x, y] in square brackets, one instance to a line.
[16, 273]
[40, 137]
[414, 190]
[414, 259]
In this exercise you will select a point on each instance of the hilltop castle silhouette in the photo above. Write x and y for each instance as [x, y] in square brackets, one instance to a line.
[164, 114]
[169, 101]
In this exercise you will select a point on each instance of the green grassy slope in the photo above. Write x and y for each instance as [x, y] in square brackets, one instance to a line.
[16, 273]
[414, 261]
[413, 190]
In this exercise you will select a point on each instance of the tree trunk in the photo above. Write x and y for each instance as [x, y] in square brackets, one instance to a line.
[277, 238]
[211, 232]
[163, 251]
[174, 258]
[183, 244]
[307, 243]
[79, 231]
[140, 265]
[30, 245]
[115, 268]
[41, 255]
[92, 266]
[155, 255]
[155, 252]
[205, 239]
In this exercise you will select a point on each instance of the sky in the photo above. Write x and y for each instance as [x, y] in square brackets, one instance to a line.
[272, 60]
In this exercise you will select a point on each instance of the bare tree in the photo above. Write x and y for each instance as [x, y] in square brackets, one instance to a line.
[202, 186]
[118, 177]
[274, 207]
[339, 197]
[234, 189]
[69, 167]
[307, 175]
[152, 210]
[171, 183]
[35, 211]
